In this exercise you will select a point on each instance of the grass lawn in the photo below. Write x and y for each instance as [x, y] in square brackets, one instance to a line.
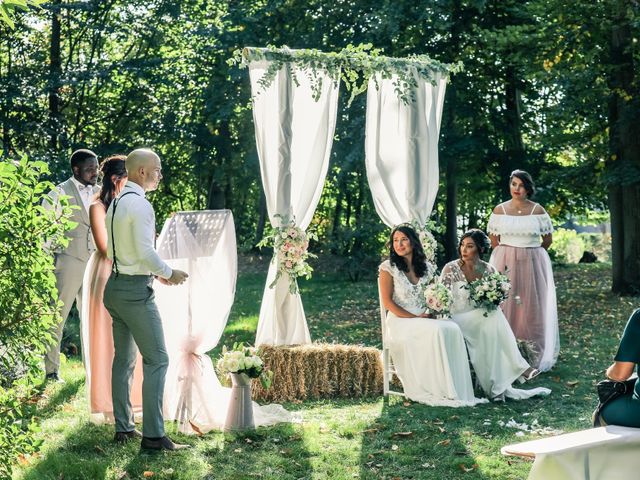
[360, 438]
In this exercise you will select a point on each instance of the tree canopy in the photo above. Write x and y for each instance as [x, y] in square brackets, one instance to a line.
[546, 86]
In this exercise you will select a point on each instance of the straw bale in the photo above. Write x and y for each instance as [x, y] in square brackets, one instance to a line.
[318, 371]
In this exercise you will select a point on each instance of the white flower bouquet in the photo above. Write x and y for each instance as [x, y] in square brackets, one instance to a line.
[489, 291]
[244, 360]
[438, 298]
[291, 245]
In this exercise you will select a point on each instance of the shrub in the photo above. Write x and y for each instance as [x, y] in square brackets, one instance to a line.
[567, 246]
[28, 299]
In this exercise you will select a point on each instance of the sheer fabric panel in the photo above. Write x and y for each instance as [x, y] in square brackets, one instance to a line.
[294, 135]
[402, 148]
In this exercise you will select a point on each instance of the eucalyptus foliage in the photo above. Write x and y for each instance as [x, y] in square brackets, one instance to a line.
[355, 65]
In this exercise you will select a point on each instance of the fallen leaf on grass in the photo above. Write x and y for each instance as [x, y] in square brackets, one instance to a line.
[444, 443]
[394, 447]
[370, 430]
[402, 434]
[406, 404]
[572, 383]
[99, 449]
[196, 429]
[442, 429]
[466, 469]
[148, 474]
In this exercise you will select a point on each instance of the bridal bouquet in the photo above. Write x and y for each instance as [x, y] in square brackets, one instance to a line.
[291, 245]
[438, 298]
[244, 360]
[489, 291]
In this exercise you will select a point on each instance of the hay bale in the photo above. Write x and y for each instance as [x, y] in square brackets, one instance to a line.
[318, 371]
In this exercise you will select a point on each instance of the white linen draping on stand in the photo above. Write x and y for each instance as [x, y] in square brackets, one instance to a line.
[402, 148]
[194, 314]
[294, 134]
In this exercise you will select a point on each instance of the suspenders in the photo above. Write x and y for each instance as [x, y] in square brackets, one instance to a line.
[113, 238]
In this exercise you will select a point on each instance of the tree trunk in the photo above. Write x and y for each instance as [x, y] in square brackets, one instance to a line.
[623, 165]
[514, 154]
[451, 212]
[451, 202]
[55, 72]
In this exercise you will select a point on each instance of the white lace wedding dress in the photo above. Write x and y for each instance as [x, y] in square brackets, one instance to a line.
[492, 346]
[429, 355]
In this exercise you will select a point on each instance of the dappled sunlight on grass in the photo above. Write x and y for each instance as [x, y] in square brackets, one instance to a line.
[367, 438]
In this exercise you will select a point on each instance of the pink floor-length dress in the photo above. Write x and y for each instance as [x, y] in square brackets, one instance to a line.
[531, 307]
[97, 344]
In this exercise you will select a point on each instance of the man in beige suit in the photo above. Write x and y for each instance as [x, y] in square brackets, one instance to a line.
[71, 261]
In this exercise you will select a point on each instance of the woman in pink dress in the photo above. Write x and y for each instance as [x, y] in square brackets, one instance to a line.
[520, 232]
[97, 337]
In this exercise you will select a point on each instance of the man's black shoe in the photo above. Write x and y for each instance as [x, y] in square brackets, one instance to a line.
[163, 443]
[53, 377]
[124, 437]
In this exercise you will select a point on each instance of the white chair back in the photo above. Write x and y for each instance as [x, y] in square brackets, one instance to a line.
[388, 369]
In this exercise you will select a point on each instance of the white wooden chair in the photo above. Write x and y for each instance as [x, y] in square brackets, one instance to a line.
[388, 369]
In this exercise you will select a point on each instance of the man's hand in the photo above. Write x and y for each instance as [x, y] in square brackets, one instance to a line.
[177, 277]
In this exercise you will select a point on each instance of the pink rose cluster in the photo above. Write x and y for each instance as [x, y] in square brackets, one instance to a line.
[438, 298]
[291, 245]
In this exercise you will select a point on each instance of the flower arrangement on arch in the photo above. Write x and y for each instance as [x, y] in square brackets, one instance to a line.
[489, 291]
[428, 241]
[438, 298]
[244, 360]
[291, 244]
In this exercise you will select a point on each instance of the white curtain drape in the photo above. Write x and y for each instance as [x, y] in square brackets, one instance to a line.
[294, 134]
[402, 148]
[194, 314]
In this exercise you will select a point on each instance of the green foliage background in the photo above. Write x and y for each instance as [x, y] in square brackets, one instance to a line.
[28, 299]
[533, 94]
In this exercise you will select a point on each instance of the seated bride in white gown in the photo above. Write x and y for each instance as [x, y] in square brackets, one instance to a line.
[492, 347]
[429, 355]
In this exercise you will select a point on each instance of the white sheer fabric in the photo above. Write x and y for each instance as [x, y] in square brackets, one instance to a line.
[294, 134]
[402, 149]
[492, 347]
[429, 355]
[194, 316]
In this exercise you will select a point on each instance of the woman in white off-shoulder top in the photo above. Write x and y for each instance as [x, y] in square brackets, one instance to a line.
[520, 232]
[429, 355]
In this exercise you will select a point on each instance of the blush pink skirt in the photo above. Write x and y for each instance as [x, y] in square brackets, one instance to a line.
[531, 308]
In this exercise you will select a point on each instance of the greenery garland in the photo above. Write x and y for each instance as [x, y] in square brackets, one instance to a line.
[355, 65]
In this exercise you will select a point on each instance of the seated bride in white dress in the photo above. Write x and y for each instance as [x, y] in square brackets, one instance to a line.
[429, 355]
[492, 347]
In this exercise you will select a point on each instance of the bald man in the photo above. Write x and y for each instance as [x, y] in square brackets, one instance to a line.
[129, 298]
